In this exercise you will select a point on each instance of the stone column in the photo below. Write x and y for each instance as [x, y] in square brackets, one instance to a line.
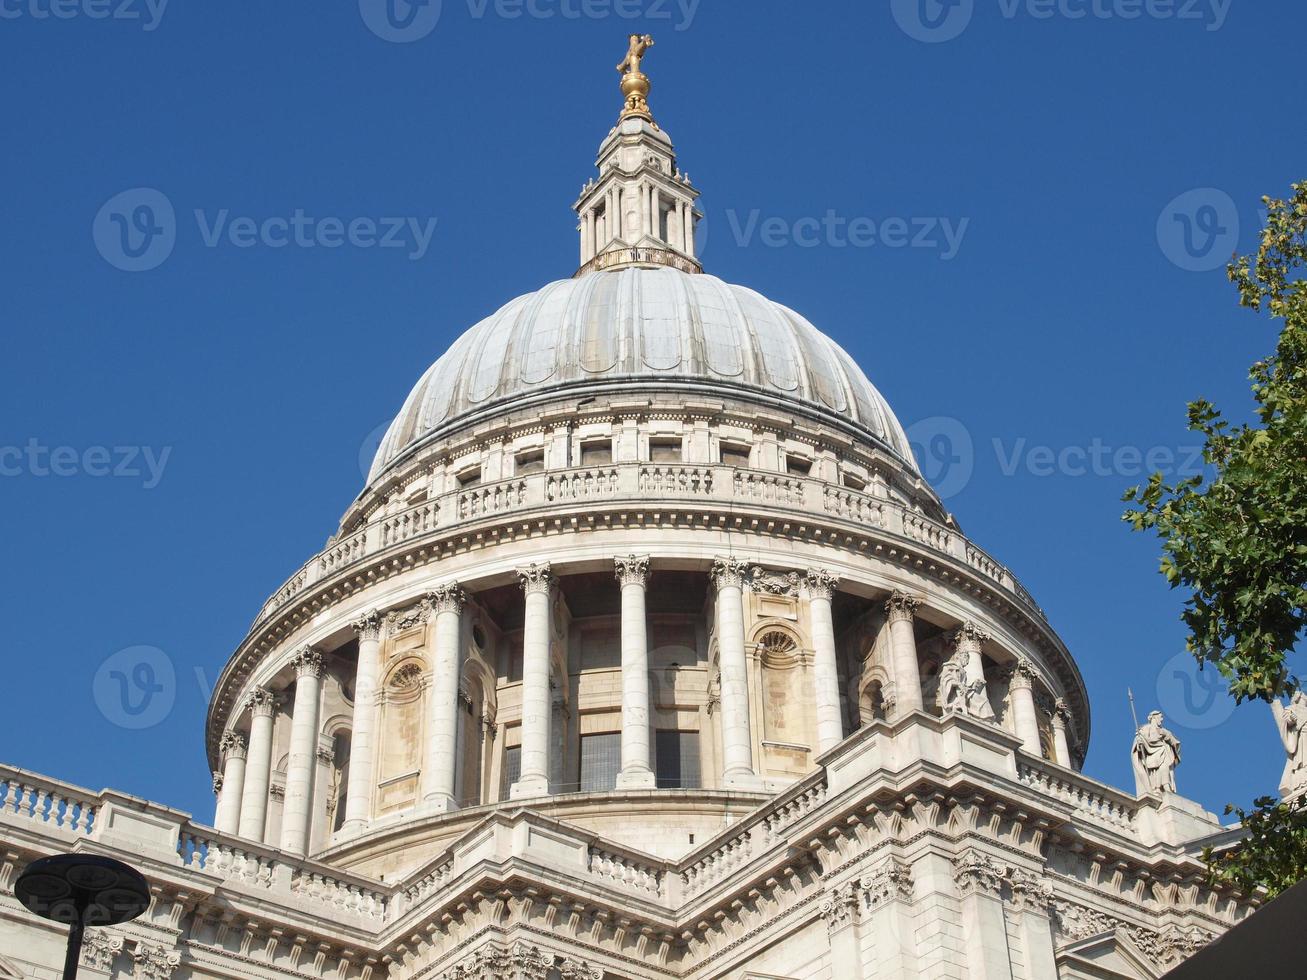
[887, 893]
[362, 738]
[1021, 690]
[258, 769]
[1061, 748]
[979, 880]
[737, 739]
[1032, 894]
[687, 227]
[537, 582]
[637, 768]
[298, 811]
[825, 670]
[901, 610]
[442, 709]
[234, 749]
[841, 911]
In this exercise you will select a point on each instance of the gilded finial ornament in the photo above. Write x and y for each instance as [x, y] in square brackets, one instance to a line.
[635, 84]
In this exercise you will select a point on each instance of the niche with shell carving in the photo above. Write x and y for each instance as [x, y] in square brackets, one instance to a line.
[401, 735]
[783, 711]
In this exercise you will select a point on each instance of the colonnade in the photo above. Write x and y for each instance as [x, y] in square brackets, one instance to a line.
[247, 759]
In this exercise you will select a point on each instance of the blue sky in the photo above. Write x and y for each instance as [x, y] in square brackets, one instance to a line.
[1040, 339]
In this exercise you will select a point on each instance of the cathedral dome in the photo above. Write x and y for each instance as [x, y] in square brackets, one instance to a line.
[641, 328]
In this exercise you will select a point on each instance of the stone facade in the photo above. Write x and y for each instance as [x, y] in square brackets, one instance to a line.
[656, 669]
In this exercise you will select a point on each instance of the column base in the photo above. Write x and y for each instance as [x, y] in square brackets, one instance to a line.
[529, 786]
[745, 782]
[636, 779]
[440, 803]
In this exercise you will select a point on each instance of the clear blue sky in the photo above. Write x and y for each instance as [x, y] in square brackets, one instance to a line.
[1061, 320]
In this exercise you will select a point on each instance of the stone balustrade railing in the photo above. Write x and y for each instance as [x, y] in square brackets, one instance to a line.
[626, 870]
[49, 806]
[1092, 801]
[647, 483]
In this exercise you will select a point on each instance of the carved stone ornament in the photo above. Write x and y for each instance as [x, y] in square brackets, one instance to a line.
[729, 573]
[407, 677]
[447, 598]
[574, 969]
[901, 606]
[277, 791]
[536, 578]
[368, 626]
[308, 663]
[154, 962]
[889, 882]
[233, 744]
[1031, 892]
[1022, 676]
[979, 874]
[969, 637]
[261, 701]
[631, 570]
[217, 783]
[401, 620]
[840, 909]
[100, 949]
[774, 583]
[820, 584]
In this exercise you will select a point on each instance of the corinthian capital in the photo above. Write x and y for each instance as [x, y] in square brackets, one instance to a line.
[1023, 674]
[233, 744]
[901, 606]
[969, 637]
[632, 570]
[447, 598]
[977, 873]
[368, 626]
[821, 583]
[261, 701]
[536, 578]
[308, 662]
[729, 572]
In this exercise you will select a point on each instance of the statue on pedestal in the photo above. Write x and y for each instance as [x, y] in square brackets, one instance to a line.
[1155, 754]
[1291, 721]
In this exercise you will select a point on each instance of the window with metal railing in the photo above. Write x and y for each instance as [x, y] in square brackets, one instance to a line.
[601, 760]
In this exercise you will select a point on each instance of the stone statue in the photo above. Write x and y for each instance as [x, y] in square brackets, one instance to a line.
[952, 696]
[978, 705]
[1155, 754]
[640, 43]
[1291, 721]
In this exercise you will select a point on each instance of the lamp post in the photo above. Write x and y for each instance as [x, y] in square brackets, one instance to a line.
[82, 890]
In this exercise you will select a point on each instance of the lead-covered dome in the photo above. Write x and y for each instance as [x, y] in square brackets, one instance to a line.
[641, 327]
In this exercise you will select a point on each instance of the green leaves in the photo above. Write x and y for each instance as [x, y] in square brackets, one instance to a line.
[1237, 540]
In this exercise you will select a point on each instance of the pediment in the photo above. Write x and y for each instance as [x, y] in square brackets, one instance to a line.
[1107, 956]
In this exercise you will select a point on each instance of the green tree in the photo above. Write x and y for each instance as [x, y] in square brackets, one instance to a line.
[1236, 538]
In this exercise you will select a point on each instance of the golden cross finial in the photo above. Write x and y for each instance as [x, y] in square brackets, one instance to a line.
[635, 84]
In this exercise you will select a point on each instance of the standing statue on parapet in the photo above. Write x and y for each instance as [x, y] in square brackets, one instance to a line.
[640, 43]
[1291, 721]
[952, 696]
[1154, 755]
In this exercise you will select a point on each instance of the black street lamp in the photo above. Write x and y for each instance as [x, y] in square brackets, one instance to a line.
[82, 890]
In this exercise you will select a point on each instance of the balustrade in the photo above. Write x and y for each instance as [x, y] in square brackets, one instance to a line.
[27, 796]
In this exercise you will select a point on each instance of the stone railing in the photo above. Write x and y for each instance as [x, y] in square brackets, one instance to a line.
[47, 805]
[625, 870]
[1090, 800]
[648, 484]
